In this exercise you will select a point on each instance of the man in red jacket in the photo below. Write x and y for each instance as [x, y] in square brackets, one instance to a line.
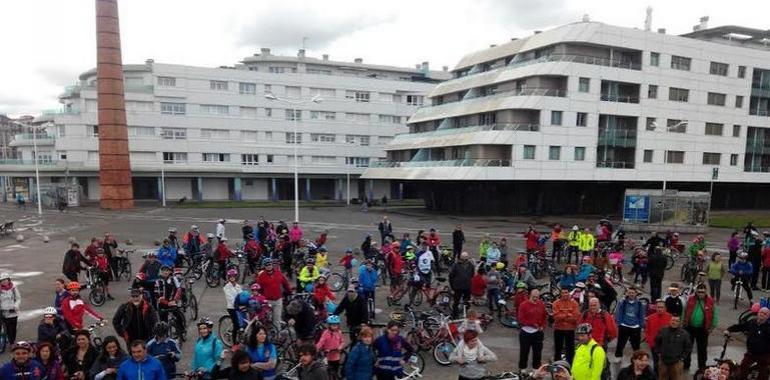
[73, 308]
[395, 265]
[603, 326]
[273, 284]
[652, 326]
[532, 319]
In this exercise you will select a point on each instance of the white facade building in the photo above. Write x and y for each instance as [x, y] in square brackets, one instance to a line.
[566, 119]
[212, 133]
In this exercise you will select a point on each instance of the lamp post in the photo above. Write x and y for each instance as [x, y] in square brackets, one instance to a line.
[665, 162]
[295, 104]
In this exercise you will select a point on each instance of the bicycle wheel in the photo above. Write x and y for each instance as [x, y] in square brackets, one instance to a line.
[225, 330]
[97, 296]
[417, 361]
[212, 279]
[192, 306]
[126, 271]
[441, 353]
[282, 367]
[175, 331]
[683, 273]
[184, 262]
[336, 282]
[669, 262]
[443, 301]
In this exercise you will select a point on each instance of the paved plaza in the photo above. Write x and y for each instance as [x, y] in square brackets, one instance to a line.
[35, 264]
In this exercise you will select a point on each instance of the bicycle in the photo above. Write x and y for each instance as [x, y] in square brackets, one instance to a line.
[211, 270]
[95, 331]
[738, 284]
[98, 294]
[338, 281]
[438, 297]
[189, 301]
[177, 330]
[340, 372]
[415, 373]
[123, 263]
[753, 369]
[395, 296]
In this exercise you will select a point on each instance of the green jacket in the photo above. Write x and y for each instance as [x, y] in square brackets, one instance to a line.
[573, 237]
[585, 367]
[586, 242]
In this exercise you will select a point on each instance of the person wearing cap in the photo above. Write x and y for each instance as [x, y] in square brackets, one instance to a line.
[629, 316]
[566, 314]
[10, 302]
[73, 308]
[673, 347]
[460, 278]
[367, 280]
[757, 350]
[472, 356]
[743, 269]
[589, 360]
[573, 244]
[354, 307]
[74, 262]
[220, 229]
[653, 324]
[136, 318]
[52, 328]
[274, 284]
[558, 370]
[22, 366]
[700, 317]
[639, 369]
[347, 261]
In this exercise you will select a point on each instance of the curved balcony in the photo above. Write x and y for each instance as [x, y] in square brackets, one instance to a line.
[26, 139]
[475, 162]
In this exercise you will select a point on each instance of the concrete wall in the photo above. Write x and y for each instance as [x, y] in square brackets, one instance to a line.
[215, 189]
[177, 188]
[94, 191]
[258, 190]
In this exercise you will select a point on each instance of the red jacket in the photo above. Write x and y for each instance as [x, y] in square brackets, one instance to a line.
[766, 257]
[708, 304]
[73, 310]
[433, 240]
[531, 237]
[273, 284]
[396, 264]
[532, 314]
[253, 249]
[602, 326]
[655, 322]
[478, 286]
[321, 293]
[222, 253]
[519, 298]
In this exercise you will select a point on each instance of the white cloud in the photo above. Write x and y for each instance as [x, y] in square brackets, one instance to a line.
[47, 43]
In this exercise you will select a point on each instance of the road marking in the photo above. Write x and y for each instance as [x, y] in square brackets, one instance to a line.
[27, 315]
[26, 274]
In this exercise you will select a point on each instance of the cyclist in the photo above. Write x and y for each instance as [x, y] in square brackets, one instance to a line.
[246, 230]
[392, 350]
[308, 274]
[140, 366]
[220, 229]
[757, 349]
[232, 289]
[173, 239]
[525, 276]
[359, 362]
[585, 269]
[22, 366]
[52, 328]
[586, 242]
[193, 241]
[164, 349]
[322, 259]
[257, 304]
[395, 265]
[73, 308]
[472, 355]
[221, 255]
[321, 295]
[253, 252]
[151, 267]
[167, 253]
[347, 262]
[10, 301]
[207, 348]
[589, 360]
[300, 315]
[698, 246]
[569, 278]
[674, 301]
[331, 343]
[274, 284]
[295, 235]
[47, 357]
[743, 270]
[367, 279]
[354, 306]
[135, 319]
[74, 262]
[493, 254]
[262, 353]
[170, 298]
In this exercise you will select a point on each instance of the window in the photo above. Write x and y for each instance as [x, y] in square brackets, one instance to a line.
[581, 120]
[269, 158]
[676, 126]
[323, 115]
[529, 152]
[714, 129]
[554, 152]
[268, 135]
[738, 101]
[294, 115]
[141, 131]
[675, 157]
[678, 94]
[62, 156]
[359, 117]
[362, 140]
[741, 71]
[219, 134]
[360, 162]
[281, 70]
[319, 71]
[647, 155]
[93, 131]
[651, 124]
[268, 89]
[213, 109]
[384, 140]
[584, 84]
[323, 137]
[733, 159]
[290, 139]
[654, 59]
[359, 96]
[249, 159]
[61, 131]
[249, 135]
[555, 117]
[716, 99]
[736, 130]
[652, 91]
[216, 157]
[680, 63]
[173, 133]
[580, 153]
[415, 100]
[717, 68]
[247, 88]
[390, 119]
[487, 118]
[268, 112]
[174, 157]
[173, 108]
[325, 93]
[711, 158]
[218, 85]
[166, 81]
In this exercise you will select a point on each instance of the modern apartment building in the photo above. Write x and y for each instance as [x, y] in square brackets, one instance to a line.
[566, 119]
[228, 132]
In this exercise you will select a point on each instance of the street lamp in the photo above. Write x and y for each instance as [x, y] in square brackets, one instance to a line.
[295, 103]
[37, 169]
[669, 128]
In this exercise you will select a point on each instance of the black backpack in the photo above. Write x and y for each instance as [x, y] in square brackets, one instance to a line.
[606, 370]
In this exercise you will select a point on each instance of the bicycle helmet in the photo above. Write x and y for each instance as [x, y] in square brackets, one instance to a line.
[584, 328]
[333, 320]
[210, 235]
[206, 321]
[172, 229]
[521, 285]
[223, 239]
[321, 249]
[152, 253]
[267, 261]
[742, 255]
[501, 302]
[310, 260]
[580, 285]
[161, 329]
[21, 345]
[500, 266]
[5, 276]
[194, 227]
[49, 311]
[74, 285]
[232, 273]
[255, 287]
[348, 250]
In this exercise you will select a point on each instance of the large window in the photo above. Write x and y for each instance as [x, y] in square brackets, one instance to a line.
[648, 154]
[580, 153]
[736, 130]
[529, 152]
[678, 94]
[360, 162]
[680, 63]
[716, 99]
[652, 91]
[174, 157]
[357, 117]
[323, 115]
[359, 96]
[172, 108]
[216, 157]
[214, 109]
[218, 85]
[584, 84]
[654, 59]
[290, 139]
[141, 131]
[741, 71]
[718, 68]
[651, 124]
[733, 159]
[173, 133]
[415, 100]
[247, 88]
[323, 137]
[219, 134]
[711, 158]
[293, 115]
[554, 152]
[675, 157]
[357, 139]
[714, 129]
[92, 131]
[166, 81]
[738, 101]
[390, 119]
[249, 159]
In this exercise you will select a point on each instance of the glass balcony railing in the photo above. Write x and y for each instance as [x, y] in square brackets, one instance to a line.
[615, 164]
[29, 136]
[19, 162]
[526, 127]
[62, 111]
[475, 162]
[589, 60]
[620, 98]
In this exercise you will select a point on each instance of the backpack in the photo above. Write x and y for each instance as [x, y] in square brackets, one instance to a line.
[606, 370]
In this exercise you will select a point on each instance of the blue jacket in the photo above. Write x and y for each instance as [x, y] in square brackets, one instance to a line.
[160, 351]
[367, 279]
[149, 369]
[358, 365]
[33, 370]
[389, 355]
[206, 353]
[263, 355]
[167, 255]
[744, 267]
[567, 281]
[630, 314]
[585, 270]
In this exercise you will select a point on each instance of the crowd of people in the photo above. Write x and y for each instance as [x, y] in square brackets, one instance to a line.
[584, 318]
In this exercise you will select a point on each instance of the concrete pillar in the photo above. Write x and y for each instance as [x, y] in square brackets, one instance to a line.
[160, 189]
[5, 191]
[199, 189]
[339, 191]
[401, 191]
[114, 161]
[273, 189]
[307, 189]
[370, 189]
[237, 189]
[31, 186]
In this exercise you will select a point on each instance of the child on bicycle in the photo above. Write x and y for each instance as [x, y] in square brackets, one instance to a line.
[331, 343]
[102, 263]
[321, 295]
[616, 261]
[347, 262]
[321, 259]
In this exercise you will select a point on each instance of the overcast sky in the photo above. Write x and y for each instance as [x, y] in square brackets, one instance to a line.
[47, 43]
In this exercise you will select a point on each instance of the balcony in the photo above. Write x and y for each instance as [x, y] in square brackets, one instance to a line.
[19, 162]
[470, 162]
[620, 98]
[573, 58]
[62, 111]
[137, 88]
[526, 127]
[621, 92]
[26, 139]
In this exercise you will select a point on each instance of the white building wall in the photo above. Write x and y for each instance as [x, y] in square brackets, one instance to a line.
[176, 188]
[259, 189]
[94, 191]
[215, 189]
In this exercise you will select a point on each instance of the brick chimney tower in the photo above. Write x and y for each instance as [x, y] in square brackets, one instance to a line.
[114, 161]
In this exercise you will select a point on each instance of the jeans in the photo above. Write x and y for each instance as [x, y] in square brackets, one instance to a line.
[656, 288]
[236, 323]
[277, 307]
[563, 343]
[458, 295]
[10, 328]
[699, 336]
[492, 296]
[529, 341]
[715, 289]
[624, 335]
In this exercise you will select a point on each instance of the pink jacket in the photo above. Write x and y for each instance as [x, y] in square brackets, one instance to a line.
[295, 234]
[331, 343]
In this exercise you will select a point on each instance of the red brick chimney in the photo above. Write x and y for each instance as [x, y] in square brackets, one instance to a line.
[114, 161]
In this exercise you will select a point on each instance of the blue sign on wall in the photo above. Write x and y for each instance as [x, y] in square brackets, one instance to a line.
[636, 208]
